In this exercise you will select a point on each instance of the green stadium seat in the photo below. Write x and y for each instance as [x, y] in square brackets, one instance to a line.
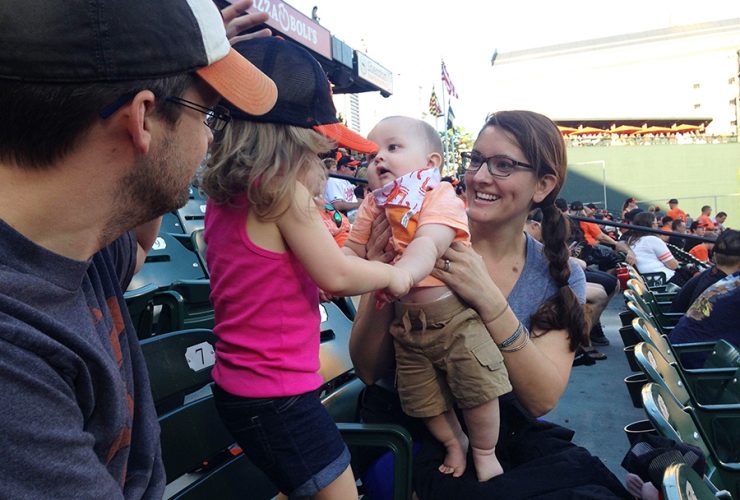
[681, 482]
[671, 421]
[171, 224]
[168, 260]
[199, 452]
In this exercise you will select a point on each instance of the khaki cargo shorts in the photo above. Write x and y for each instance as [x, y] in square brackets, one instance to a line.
[444, 353]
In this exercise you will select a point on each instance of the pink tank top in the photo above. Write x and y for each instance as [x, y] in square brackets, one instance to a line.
[267, 312]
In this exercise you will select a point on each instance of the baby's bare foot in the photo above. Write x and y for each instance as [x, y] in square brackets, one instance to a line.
[486, 463]
[455, 460]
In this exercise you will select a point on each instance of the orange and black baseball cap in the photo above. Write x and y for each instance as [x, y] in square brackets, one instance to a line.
[76, 41]
[304, 92]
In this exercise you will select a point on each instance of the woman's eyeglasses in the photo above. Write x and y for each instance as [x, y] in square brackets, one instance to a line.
[336, 216]
[498, 165]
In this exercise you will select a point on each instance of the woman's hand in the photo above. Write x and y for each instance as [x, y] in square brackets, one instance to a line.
[467, 276]
[236, 21]
[379, 245]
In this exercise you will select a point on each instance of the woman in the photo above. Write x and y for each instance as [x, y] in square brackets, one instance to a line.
[629, 204]
[518, 163]
[652, 254]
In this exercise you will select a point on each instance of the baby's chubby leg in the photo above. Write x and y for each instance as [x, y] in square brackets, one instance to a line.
[446, 429]
[483, 424]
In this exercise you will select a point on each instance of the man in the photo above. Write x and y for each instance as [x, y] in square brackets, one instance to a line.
[674, 212]
[340, 192]
[697, 230]
[719, 221]
[108, 108]
[727, 259]
[704, 219]
[711, 317]
[679, 227]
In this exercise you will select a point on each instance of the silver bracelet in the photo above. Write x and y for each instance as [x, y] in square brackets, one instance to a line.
[514, 336]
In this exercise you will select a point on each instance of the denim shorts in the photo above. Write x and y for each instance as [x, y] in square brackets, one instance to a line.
[293, 440]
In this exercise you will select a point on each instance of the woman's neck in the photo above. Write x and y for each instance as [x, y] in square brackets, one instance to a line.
[497, 243]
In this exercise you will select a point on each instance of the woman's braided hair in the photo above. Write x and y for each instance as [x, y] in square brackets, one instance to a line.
[542, 144]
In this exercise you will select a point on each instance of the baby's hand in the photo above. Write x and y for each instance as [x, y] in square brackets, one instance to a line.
[401, 283]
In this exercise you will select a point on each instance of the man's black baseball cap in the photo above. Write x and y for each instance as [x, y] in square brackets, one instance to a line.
[87, 41]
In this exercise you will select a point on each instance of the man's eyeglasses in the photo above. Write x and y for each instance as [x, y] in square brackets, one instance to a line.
[498, 165]
[335, 215]
[217, 117]
[351, 167]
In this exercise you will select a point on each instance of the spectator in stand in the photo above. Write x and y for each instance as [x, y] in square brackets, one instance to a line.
[679, 227]
[108, 109]
[696, 230]
[727, 261]
[711, 317]
[719, 221]
[562, 205]
[340, 192]
[703, 250]
[674, 212]
[595, 238]
[335, 221]
[705, 220]
[629, 204]
[653, 255]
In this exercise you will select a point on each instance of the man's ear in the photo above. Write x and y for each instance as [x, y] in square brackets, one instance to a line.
[434, 160]
[545, 185]
[138, 120]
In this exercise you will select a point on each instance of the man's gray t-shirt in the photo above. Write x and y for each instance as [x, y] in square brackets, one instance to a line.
[77, 417]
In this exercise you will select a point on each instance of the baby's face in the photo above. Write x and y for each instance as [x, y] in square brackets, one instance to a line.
[401, 150]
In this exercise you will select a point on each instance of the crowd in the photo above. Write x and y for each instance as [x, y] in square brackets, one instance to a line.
[478, 295]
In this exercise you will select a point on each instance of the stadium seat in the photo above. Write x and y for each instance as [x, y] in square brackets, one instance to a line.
[681, 482]
[193, 214]
[720, 354]
[171, 224]
[199, 245]
[673, 422]
[168, 260]
[197, 304]
[154, 311]
[201, 459]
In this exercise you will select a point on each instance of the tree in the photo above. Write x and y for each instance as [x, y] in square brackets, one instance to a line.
[458, 139]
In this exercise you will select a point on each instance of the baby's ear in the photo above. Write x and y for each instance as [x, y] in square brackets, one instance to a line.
[434, 160]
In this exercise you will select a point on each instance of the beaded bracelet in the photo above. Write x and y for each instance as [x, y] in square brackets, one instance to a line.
[514, 336]
[520, 346]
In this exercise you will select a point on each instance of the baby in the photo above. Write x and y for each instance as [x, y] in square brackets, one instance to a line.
[443, 350]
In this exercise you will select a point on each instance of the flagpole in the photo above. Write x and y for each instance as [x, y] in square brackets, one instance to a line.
[444, 108]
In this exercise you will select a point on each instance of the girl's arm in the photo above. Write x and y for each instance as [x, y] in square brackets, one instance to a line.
[306, 236]
[539, 372]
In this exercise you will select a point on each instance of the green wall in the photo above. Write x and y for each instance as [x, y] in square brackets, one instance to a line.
[696, 174]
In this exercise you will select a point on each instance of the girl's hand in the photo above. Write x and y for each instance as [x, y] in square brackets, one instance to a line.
[468, 277]
[379, 246]
[237, 21]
